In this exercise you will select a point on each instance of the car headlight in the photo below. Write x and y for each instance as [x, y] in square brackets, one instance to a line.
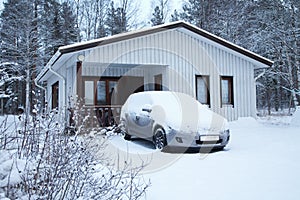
[225, 132]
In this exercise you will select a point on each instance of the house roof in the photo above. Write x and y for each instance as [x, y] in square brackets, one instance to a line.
[160, 28]
[156, 29]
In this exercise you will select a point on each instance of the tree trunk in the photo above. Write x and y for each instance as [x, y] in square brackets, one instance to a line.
[27, 104]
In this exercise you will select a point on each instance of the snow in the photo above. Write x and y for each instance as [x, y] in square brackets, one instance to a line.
[34, 164]
[2, 96]
[296, 117]
[12, 171]
[261, 162]
[175, 110]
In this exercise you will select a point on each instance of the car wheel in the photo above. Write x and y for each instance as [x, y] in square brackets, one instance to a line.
[127, 136]
[220, 148]
[159, 139]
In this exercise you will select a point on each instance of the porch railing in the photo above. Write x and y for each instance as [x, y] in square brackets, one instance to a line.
[103, 115]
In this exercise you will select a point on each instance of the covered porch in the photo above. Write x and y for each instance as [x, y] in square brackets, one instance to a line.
[103, 88]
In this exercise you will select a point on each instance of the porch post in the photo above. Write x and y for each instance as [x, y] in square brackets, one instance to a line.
[79, 79]
[78, 92]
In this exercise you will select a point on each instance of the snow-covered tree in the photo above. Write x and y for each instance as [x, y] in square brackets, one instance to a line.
[69, 29]
[120, 18]
[267, 27]
[111, 19]
[50, 28]
[19, 40]
[116, 21]
[273, 35]
[157, 18]
[11, 87]
[31, 32]
[161, 11]
[57, 27]
[175, 16]
[101, 15]
[198, 12]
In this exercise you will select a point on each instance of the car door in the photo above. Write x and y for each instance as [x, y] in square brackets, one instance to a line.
[140, 124]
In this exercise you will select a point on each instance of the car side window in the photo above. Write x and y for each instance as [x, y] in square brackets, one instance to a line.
[136, 103]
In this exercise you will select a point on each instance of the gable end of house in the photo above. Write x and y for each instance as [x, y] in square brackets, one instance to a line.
[161, 28]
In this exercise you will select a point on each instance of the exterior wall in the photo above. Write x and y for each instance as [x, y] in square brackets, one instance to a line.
[53, 79]
[184, 55]
[67, 87]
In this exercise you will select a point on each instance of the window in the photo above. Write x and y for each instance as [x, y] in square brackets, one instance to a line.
[226, 90]
[89, 92]
[105, 89]
[99, 91]
[202, 89]
[55, 94]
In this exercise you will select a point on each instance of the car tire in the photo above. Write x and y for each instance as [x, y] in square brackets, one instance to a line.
[219, 148]
[159, 139]
[127, 136]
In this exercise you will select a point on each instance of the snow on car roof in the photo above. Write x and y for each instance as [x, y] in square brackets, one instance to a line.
[176, 109]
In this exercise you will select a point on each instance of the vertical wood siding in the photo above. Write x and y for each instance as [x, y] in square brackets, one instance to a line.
[179, 56]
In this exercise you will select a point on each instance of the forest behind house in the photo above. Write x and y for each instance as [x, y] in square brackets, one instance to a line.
[32, 30]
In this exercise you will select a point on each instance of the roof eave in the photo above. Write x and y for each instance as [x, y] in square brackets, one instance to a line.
[51, 62]
[156, 29]
[119, 37]
[227, 44]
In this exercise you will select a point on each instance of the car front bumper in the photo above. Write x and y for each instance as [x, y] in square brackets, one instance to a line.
[191, 140]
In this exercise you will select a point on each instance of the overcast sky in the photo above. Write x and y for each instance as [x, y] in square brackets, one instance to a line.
[174, 4]
[146, 8]
[1, 5]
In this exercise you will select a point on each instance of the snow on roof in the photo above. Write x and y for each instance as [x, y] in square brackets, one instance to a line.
[160, 28]
[146, 31]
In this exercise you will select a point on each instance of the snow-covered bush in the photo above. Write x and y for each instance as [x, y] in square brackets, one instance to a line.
[39, 161]
[296, 117]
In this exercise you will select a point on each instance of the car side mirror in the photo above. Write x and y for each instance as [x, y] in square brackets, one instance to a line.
[147, 110]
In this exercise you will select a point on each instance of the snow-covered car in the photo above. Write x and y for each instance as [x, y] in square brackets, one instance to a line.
[172, 119]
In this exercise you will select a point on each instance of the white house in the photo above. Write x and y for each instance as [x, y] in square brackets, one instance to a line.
[177, 56]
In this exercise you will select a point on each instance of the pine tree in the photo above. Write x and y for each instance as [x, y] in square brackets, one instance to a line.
[19, 41]
[270, 31]
[197, 12]
[50, 33]
[175, 16]
[101, 10]
[31, 32]
[116, 21]
[69, 30]
[157, 18]
[161, 11]
[110, 20]
[57, 27]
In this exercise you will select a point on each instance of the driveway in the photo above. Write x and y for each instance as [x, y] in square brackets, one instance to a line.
[261, 162]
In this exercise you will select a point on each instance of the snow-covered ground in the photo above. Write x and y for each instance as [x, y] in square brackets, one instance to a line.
[261, 162]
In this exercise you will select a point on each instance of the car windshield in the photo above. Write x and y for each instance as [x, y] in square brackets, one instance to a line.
[180, 111]
[177, 110]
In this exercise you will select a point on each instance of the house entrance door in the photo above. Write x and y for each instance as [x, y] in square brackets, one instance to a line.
[126, 86]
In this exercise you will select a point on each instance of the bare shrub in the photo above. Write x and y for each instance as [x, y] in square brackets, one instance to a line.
[48, 164]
